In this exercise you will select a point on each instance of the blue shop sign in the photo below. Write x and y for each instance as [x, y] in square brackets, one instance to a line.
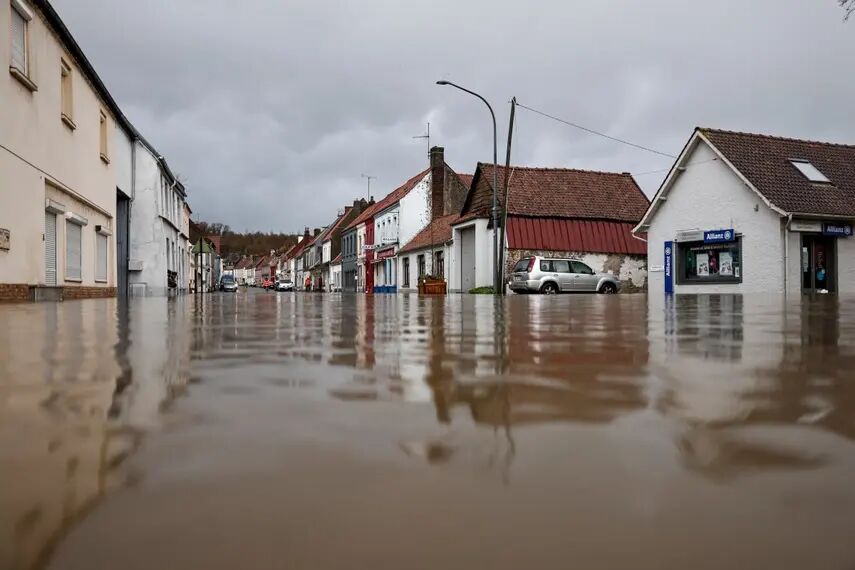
[719, 236]
[669, 264]
[840, 230]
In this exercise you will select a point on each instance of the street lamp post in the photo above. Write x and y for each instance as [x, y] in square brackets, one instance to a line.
[496, 281]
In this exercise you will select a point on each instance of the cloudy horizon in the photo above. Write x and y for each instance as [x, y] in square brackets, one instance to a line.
[271, 113]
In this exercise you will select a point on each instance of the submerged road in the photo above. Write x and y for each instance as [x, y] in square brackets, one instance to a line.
[264, 430]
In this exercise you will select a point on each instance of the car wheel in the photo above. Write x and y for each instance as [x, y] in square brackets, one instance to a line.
[549, 289]
[608, 289]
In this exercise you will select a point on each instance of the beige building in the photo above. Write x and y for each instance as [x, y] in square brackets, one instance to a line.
[65, 162]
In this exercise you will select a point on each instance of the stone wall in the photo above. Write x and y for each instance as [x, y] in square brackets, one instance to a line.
[70, 293]
[22, 293]
[12, 292]
[631, 270]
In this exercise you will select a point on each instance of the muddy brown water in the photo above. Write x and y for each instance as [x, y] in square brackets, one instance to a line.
[307, 431]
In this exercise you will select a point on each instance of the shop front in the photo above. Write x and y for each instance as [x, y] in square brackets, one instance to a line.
[819, 254]
[385, 270]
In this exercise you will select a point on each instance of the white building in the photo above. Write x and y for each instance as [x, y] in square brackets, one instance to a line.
[747, 213]
[428, 253]
[159, 245]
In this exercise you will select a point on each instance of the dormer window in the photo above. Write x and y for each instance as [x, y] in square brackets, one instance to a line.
[809, 171]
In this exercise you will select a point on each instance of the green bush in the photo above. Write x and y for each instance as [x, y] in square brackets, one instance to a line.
[482, 291]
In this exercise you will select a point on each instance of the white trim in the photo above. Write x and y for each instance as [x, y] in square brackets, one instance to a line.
[102, 230]
[23, 9]
[76, 219]
[55, 207]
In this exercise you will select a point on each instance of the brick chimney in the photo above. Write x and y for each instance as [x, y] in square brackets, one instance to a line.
[437, 182]
[317, 232]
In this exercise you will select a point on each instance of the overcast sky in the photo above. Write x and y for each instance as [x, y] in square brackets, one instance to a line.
[271, 110]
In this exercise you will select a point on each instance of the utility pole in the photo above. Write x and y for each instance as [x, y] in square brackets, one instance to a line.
[507, 182]
[369, 178]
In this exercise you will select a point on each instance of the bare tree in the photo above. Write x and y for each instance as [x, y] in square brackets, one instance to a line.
[848, 6]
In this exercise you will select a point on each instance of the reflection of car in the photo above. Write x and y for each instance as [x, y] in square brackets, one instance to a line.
[544, 275]
[228, 284]
[267, 283]
[284, 285]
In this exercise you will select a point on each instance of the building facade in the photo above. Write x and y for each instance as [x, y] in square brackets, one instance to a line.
[749, 213]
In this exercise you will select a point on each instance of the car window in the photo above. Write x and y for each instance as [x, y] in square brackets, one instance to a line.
[579, 267]
[545, 265]
[522, 265]
[561, 266]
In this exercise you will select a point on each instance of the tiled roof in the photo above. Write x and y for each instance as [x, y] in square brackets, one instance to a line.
[573, 235]
[437, 233]
[466, 179]
[558, 193]
[765, 161]
[330, 230]
[337, 260]
[390, 199]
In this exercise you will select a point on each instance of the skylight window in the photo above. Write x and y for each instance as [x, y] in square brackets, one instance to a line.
[810, 171]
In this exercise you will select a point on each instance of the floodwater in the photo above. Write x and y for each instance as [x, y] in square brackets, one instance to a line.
[304, 431]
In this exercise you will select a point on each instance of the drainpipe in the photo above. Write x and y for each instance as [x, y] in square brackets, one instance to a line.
[787, 254]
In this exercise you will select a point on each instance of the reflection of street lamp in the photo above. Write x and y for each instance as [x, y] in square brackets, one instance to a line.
[496, 284]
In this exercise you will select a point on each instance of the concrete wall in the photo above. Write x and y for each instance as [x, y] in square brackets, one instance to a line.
[414, 211]
[32, 130]
[484, 255]
[709, 195]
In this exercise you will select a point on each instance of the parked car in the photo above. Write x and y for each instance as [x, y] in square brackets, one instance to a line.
[553, 275]
[227, 283]
[284, 285]
[250, 282]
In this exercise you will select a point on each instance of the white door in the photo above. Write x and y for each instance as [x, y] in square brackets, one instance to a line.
[467, 259]
[50, 249]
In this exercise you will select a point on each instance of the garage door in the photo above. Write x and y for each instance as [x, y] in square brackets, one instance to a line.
[467, 259]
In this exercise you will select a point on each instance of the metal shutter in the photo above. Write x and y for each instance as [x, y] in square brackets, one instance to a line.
[50, 249]
[19, 41]
[73, 237]
[101, 267]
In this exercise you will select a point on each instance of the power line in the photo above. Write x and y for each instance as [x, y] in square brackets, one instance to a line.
[593, 132]
[668, 169]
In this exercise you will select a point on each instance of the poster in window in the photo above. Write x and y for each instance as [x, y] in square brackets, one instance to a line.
[703, 264]
[725, 260]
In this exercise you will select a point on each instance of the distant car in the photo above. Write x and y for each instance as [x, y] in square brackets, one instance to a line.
[555, 275]
[250, 282]
[284, 285]
[228, 283]
[267, 284]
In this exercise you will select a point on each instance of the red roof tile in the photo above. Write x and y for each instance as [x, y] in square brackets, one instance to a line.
[559, 193]
[337, 260]
[573, 235]
[437, 232]
[765, 161]
[466, 179]
[389, 200]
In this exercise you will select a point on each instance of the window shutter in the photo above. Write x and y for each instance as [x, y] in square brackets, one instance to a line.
[19, 41]
[101, 268]
[73, 235]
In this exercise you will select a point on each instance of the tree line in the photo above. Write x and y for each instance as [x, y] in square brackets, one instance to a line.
[235, 243]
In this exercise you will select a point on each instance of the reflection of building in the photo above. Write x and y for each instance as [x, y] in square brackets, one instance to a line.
[77, 386]
[745, 213]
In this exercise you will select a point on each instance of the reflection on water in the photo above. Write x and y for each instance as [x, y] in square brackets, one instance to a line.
[655, 398]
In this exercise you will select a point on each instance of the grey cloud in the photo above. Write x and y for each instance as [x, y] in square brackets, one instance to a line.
[272, 110]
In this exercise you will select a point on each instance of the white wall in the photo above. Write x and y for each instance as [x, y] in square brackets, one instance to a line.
[387, 226]
[414, 267]
[122, 160]
[414, 213]
[709, 195]
[484, 257]
[845, 265]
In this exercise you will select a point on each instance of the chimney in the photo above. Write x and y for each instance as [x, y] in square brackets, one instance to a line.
[317, 232]
[437, 182]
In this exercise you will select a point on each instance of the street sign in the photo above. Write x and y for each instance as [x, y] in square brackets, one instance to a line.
[669, 267]
[839, 230]
[719, 236]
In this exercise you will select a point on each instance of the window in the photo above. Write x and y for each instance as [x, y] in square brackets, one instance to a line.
[103, 136]
[405, 265]
[546, 265]
[420, 264]
[809, 171]
[699, 262]
[439, 264]
[522, 265]
[73, 251]
[20, 38]
[67, 95]
[168, 257]
[560, 266]
[101, 258]
[579, 267]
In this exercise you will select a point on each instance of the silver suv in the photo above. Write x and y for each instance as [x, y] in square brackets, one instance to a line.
[550, 276]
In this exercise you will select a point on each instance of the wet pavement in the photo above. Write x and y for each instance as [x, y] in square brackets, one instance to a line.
[308, 431]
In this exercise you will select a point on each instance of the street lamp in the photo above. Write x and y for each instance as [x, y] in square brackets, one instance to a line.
[496, 285]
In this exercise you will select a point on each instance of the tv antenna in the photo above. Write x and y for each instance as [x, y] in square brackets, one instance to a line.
[425, 136]
[369, 178]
